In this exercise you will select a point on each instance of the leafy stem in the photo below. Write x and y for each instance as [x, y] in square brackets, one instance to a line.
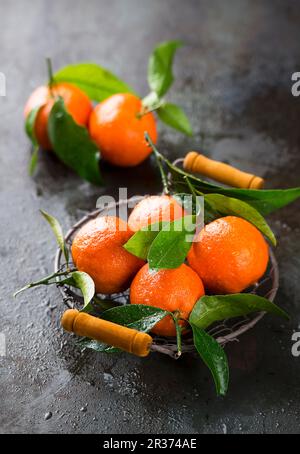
[58, 232]
[175, 316]
[191, 187]
[45, 281]
[159, 160]
[33, 160]
[50, 74]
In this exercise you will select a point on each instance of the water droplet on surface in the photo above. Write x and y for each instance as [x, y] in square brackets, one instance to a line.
[107, 376]
[48, 415]
[109, 379]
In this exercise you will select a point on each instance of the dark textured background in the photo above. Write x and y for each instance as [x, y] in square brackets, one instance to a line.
[233, 79]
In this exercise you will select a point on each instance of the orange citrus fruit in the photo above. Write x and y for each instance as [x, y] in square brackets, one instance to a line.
[175, 289]
[154, 208]
[118, 130]
[229, 255]
[98, 250]
[76, 101]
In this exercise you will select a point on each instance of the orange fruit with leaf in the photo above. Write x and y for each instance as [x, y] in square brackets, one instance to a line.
[115, 127]
[174, 290]
[76, 102]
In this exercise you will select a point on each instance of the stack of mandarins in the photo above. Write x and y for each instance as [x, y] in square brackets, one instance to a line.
[228, 256]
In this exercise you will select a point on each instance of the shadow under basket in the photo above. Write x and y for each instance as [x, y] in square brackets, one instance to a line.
[226, 331]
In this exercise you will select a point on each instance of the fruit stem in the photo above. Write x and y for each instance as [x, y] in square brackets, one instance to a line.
[50, 73]
[178, 333]
[159, 161]
[194, 195]
[146, 110]
[150, 103]
[191, 187]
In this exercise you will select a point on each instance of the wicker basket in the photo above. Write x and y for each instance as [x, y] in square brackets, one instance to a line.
[227, 331]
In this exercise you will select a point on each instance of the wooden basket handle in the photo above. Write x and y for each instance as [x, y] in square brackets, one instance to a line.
[127, 339]
[224, 173]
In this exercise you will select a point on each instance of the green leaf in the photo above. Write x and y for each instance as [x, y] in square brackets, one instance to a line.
[33, 160]
[100, 347]
[58, 232]
[174, 116]
[224, 205]
[86, 284]
[101, 305]
[97, 82]
[136, 316]
[170, 247]
[139, 317]
[214, 357]
[30, 124]
[210, 309]
[139, 244]
[265, 201]
[92, 304]
[29, 128]
[160, 76]
[73, 145]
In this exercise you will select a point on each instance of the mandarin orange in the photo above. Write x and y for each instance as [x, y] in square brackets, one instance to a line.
[175, 289]
[118, 129]
[76, 102]
[98, 250]
[229, 255]
[154, 208]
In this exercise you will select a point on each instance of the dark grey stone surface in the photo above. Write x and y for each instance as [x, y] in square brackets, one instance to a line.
[233, 79]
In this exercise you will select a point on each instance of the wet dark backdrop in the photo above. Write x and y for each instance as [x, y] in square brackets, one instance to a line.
[233, 79]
